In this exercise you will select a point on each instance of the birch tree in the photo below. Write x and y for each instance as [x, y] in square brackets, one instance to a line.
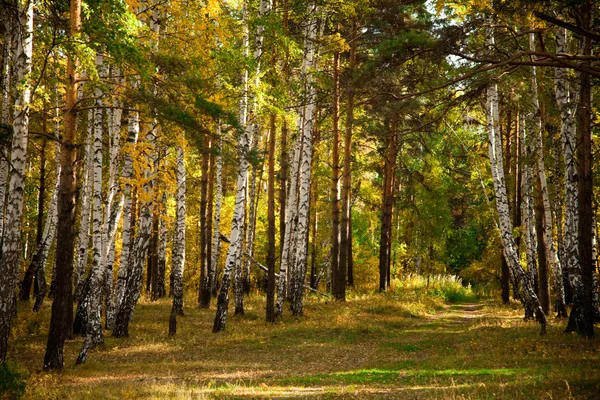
[11, 245]
[6, 89]
[83, 239]
[549, 246]
[496, 161]
[178, 244]
[216, 234]
[133, 128]
[308, 64]
[291, 210]
[40, 257]
[237, 223]
[568, 130]
[527, 205]
[133, 283]
[92, 297]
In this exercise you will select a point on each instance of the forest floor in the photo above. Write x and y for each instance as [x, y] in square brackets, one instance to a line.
[373, 346]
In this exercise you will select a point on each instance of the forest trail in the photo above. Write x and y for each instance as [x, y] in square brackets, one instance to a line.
[372, 346]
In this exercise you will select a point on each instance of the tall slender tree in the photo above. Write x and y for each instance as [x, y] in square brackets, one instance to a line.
[9, 258]
[62, 307]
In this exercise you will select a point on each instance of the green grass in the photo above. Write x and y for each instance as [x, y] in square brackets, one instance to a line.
[402, 344]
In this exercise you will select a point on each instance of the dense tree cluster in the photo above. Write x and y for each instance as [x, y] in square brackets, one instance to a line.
[225, 147]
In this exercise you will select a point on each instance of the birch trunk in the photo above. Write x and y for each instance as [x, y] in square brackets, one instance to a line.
[178, 243]
[290, 219]
[133, 283]
[83, 239]
[92, 298]
[204, 290]
[550, 248]
[41, 256]
[162, 248]
[236, 233]
[528, 211]
[242, 153]
[309, 62]
[568, 135]
[496, 162]
[6, 89]
[216, 234]
[113, 209]
[133, 133]
[9, 261]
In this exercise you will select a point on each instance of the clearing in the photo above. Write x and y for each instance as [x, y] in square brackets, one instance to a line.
[373, 346]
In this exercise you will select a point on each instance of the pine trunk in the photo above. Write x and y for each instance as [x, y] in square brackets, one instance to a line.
[270, 309]
[338, 276]
[62, 307]
[387, 206]
[582, 314]
[346, 231]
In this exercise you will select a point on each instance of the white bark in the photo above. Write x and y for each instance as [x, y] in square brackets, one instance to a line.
[133, 133]
[216, 234]
[308, 64]
[496, 161]
[564, 100]
[549, 245]
[83, 239]
[92, 298]
[243, 150]
[527, 206]
[112, 209]
[162, 245]
[179, 240]
[6, 87]
[291, 211]
[133, 281]
[232, 261]
[11, 246]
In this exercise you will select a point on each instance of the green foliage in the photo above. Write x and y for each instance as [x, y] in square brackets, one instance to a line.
[12, 381]
[448, 288]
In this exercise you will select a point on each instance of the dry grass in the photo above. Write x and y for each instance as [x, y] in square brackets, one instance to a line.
[401, 345]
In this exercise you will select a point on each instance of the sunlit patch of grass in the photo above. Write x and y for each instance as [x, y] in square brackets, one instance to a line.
[405, 343]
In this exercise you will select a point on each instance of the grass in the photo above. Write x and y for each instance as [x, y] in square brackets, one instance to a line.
[408, 343]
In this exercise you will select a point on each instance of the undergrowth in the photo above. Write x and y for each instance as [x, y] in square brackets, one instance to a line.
[12, 381]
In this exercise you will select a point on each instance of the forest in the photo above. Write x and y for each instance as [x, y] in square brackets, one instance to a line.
[397, 197]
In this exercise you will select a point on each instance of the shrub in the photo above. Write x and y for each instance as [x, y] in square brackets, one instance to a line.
[12, 381]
